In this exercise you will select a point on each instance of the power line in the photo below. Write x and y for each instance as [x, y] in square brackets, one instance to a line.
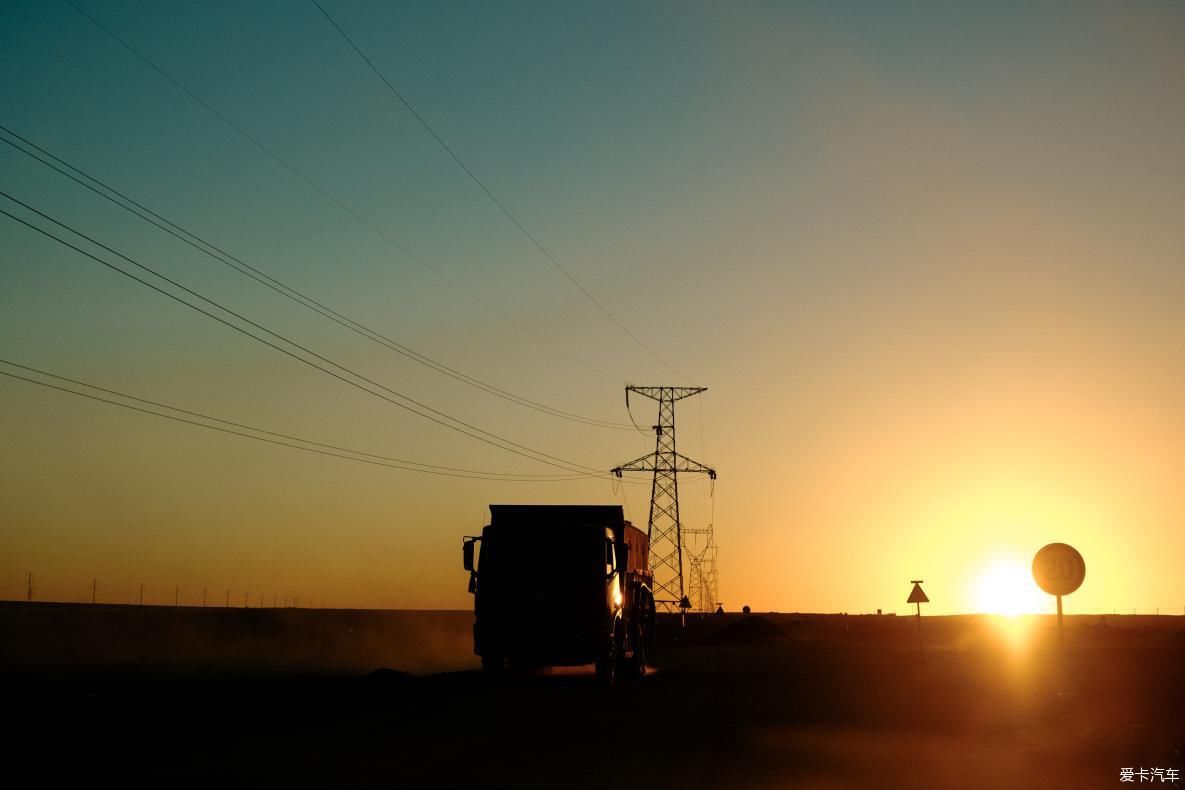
[493, 198]
[630, 412]
[325, 449]
[493, 439]
[213, 251]
[473, 431]
[331, 197]
[273, 433]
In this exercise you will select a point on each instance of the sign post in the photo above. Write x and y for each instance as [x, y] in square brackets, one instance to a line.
[918, 596]
[1059, 570]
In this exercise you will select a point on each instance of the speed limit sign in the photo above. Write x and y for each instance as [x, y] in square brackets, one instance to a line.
[1059, 569]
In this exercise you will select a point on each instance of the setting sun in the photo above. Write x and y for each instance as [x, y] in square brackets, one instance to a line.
[1006, 587]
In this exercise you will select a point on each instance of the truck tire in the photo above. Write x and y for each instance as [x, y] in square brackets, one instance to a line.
[492, 664]
[607, 663]
[638, 663]
[634, 667]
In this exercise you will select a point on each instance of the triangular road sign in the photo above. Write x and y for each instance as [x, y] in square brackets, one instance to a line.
[917, 596]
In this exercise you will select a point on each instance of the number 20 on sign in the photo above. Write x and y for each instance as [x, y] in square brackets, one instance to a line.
[1059, 570]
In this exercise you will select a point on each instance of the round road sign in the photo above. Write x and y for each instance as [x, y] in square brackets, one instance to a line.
[1058, 569]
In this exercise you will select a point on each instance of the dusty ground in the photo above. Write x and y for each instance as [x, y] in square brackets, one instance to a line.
[282, 697]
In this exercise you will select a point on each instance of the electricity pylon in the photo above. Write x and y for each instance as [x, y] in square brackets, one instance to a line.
[664, 528]
[704, 594]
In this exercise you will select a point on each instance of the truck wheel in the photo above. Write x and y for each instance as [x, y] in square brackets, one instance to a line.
[492, 664]
[639, 662]
[633, 668]
[607, 664]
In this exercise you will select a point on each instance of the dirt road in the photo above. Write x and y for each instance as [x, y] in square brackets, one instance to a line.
[764, 701]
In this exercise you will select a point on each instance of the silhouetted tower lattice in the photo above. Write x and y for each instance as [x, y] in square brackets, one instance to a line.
[695, 582]
[703, 583]
[664, 527]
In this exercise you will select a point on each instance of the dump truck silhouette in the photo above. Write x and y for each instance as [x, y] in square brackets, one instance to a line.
[558, 585]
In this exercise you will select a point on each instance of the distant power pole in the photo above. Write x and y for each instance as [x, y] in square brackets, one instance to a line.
[94, 590]
[261, 600]
[29, 589]
[141, 593]
[228, 599]
[664, 528]
[204, 589]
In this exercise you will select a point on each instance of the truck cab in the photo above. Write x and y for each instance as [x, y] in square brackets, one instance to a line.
[561, 585]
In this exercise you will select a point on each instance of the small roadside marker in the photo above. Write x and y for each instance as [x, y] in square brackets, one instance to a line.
[918, 596]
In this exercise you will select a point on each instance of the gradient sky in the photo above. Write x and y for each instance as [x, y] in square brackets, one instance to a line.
[929, 258]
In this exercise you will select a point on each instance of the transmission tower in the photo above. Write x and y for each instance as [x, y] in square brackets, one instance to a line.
[664, 528]
[703, 581]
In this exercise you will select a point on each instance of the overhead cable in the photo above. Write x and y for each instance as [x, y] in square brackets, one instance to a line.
[283, 440]
[333, 198]
[146, 214]
[416, 407]
[493, 198]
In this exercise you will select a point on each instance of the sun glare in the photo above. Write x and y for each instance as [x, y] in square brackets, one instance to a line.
[1006, 587]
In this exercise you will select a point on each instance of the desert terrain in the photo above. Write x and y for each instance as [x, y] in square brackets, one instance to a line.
[336, 698]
